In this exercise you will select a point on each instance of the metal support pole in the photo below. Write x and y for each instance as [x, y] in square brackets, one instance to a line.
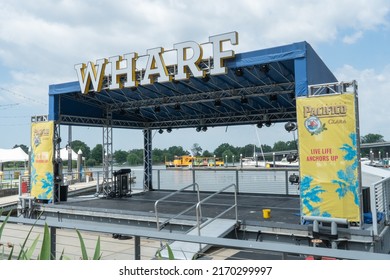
[158, 179]
[333, 231]
[238, 186]
[137, 248]
[193, 178]
[286, 180]
[107, 154]
[53, 241]
[148, 184]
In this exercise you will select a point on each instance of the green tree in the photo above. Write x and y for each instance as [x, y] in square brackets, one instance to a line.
[196, 149]
[280, 146]
[77, 145]
[176, 151]
[97, 153]
[206, 153]
[223, 147]
[135, 157]
[372, 138]
[120, 156]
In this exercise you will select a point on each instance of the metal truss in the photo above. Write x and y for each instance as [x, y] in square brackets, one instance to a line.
[254, 91]
[107, 154]
[148, 160]
[333, 88]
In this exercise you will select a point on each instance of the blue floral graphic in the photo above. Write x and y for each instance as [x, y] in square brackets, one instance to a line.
[311, 195]
[347, 179]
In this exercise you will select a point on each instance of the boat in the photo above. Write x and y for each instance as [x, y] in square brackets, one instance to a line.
[194, 161]
[251, 162]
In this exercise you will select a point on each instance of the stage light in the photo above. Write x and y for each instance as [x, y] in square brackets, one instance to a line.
[157, 108]
[244, 99]
[290, 126]
[206, 78]
[239, 72]
[204, 128]
[260, 125]
[273, 97]
[169, 130]
[198, 129]
[160, 131]
[217, 102]
[264, 68]
[268, 123]
[177, 106]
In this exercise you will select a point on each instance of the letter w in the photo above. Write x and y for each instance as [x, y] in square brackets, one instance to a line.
[91, 73]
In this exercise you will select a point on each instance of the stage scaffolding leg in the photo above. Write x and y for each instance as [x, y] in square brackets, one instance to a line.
[148, 160]
[107, 154]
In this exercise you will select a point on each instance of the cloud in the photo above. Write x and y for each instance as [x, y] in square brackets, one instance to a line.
[374, 101]
[42, 40]
[353, 38]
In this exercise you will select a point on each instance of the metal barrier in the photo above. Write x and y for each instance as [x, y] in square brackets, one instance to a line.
[249, 180]
[181, 213]
[380, 204]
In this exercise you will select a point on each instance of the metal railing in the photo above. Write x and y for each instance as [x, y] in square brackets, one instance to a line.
[380, 204]
[199, 211]
[159, 227]
[247, 180]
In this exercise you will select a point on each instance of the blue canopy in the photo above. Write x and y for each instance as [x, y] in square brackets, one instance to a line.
[259, 87]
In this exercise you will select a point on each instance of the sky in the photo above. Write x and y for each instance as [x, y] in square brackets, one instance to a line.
[42, 40]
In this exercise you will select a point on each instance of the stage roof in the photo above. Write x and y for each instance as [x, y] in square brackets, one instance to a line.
[259, 87]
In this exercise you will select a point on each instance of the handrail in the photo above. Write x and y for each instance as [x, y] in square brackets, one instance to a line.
[199, 214]
[181, 213]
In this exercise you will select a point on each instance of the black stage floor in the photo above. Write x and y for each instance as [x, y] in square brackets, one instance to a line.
[283, 208]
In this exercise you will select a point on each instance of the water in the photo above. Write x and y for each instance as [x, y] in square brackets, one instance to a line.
[248, 181]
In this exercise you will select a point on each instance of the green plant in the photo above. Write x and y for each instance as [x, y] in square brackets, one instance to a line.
[45, 253]
[97, 255]
[170, 253]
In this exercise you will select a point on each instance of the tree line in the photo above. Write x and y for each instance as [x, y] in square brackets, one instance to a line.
[94, 156]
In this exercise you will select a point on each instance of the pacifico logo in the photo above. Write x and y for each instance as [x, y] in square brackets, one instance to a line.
[312, 114]
[123, 72]
[325, 111]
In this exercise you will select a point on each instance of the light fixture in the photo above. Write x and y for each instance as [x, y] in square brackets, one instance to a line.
[268, 123]
[206, 78]
[157, 108]
[239, 72]
[204, 128]
[160, 131]
[244, 99]
[177, 106]
[217, 102]
[198, 128]
[169, 130]
[290, 126]
[264, 68]
[259, 125]
[273, 97]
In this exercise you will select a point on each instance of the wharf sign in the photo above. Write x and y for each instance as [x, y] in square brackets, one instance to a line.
[328, 156]
[122, 68]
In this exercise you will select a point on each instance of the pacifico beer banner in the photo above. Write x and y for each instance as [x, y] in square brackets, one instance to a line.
[42, 160]
[328, 156]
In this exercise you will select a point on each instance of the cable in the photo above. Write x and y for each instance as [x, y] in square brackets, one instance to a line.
[22, 96]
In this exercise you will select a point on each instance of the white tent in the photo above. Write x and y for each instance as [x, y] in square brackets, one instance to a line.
[10, 155]
[64, 154]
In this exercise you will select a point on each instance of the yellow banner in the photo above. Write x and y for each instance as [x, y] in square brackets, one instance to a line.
[42, 182]
[328, 156]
